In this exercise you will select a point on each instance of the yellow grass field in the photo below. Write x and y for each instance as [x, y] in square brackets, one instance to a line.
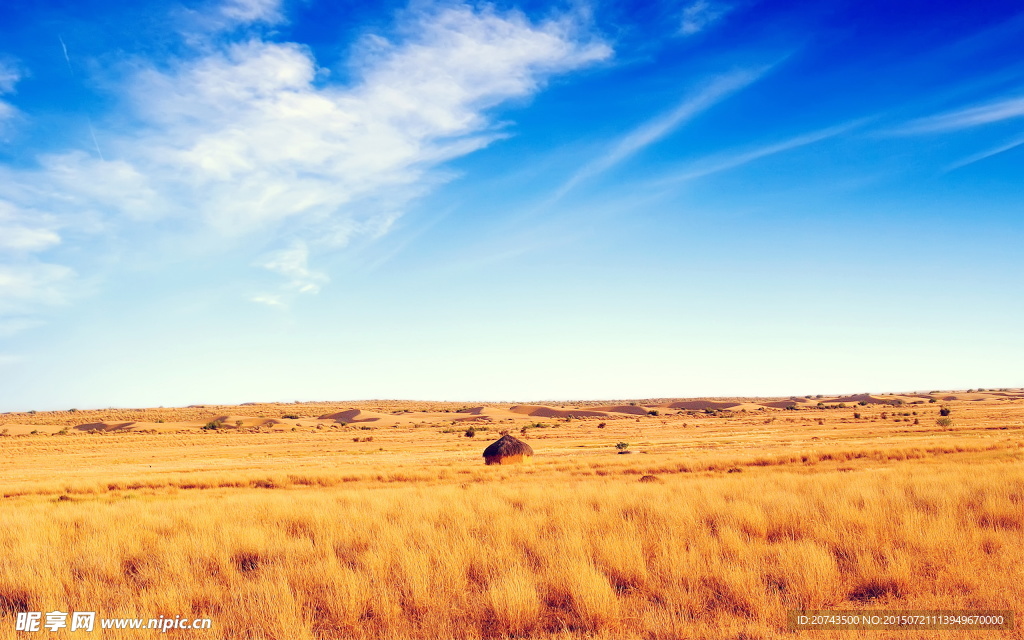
[276, 521]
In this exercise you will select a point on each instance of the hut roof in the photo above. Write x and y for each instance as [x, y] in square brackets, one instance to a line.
[506, 445]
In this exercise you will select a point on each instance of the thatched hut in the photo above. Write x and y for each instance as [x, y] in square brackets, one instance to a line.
[508, 450]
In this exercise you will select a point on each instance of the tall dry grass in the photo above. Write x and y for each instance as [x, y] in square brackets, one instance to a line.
[606, 557]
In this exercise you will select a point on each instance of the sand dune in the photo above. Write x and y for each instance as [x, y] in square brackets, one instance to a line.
[244, 421]
[623, 408]
[541, 411]
[356, 415]
[860, 397]
[105, 426]
[701, 405]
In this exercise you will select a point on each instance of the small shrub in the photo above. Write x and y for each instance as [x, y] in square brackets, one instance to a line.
[944, 422]
[470, 432]
[621, 446]
[290, 416]
[856, 416]
[211, 426]
[600, 425]
[945, 411]
[652, 413]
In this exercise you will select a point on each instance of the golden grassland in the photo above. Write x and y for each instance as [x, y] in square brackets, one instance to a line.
[309, 534]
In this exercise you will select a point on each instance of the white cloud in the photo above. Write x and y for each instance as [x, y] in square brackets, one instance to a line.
[19, 238]
[9, 77]
[248, 11]
[25, 281]
[246, 136]
[269, 299]
[700, 15]
[966, 118]
[293, 263]
[27, 284]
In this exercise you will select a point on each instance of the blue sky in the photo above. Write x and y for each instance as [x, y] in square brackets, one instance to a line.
[263, 200]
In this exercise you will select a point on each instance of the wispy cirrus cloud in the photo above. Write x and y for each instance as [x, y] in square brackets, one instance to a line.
[966, 118]
[986, 154]
[700, 15]
[657, 128]
[726, 161]
[249, 135]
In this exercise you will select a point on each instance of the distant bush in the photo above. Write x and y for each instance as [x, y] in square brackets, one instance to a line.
[621, 446]
[944, 422]
[600, 425]
[652, 413]
[290, 416]
[945, 411]
[211, 426]
[470, 432]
